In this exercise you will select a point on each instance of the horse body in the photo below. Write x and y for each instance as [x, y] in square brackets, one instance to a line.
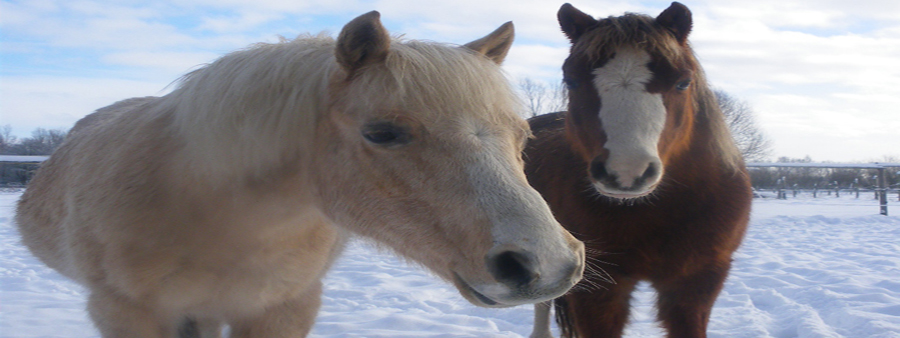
[680, 239]
[226, 201]
[667, 202]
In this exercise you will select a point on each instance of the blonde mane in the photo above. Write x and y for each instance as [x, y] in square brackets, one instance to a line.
[234, 109]
[420, 71]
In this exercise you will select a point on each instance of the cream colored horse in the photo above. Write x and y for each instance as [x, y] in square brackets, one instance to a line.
[226, 201]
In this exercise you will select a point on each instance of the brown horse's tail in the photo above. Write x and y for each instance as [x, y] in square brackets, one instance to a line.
[563, 318]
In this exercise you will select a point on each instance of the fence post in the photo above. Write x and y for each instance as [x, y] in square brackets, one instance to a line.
[779, 189]
[882, 185]
[877, 184]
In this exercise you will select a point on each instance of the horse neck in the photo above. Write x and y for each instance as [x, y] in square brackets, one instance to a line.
[251, 117]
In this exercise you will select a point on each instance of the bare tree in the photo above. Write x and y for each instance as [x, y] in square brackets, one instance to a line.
[559, 98]
[534, 93]
[541, 99]
[754, 145]
[7, 139]
[41, 142]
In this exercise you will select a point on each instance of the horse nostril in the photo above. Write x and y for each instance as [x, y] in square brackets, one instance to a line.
[600, 174]
[512, 268]
[598, 170]
[650, 172]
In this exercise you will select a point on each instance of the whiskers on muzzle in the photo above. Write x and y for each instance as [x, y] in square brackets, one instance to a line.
[595, 278]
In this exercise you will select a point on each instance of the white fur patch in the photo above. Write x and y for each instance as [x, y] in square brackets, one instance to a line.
[632, 118]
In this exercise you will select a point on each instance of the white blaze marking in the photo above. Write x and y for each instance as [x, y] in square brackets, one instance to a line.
[632, 118]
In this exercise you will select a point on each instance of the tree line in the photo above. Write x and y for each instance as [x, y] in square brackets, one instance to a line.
[42, 141]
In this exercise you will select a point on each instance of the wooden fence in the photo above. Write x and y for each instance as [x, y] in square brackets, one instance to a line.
[18, 166]
[881, 191]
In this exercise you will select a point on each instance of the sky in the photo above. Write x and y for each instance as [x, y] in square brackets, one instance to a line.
[823, 77]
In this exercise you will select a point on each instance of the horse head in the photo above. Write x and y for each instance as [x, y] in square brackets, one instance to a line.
[420, 150]
[630, 81]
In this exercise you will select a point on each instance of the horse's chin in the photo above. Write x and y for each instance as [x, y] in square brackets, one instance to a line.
[475, 297]
[623, 195]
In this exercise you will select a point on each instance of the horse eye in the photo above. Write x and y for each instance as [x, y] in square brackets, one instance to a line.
[683, 85]
[385, 133]
[570, 83]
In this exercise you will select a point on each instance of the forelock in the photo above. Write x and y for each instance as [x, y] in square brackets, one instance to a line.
[439, 78]
[630, 30]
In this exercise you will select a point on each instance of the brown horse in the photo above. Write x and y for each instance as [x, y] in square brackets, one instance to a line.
[643, 169]
[225, 201]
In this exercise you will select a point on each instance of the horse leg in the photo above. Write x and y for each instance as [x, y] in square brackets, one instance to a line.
[193, 328]
[292, 318]
[118, 316]
[599, 313]
[685, 304]
[542, 320]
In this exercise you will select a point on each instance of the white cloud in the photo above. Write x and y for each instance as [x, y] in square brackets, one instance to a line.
[237, 23]
[818, 94]
[57, 102]
[92, 25]
[822, 76]
[536, 61]
[167, 61]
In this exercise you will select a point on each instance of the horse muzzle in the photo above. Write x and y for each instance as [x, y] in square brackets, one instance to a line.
[626, 180]
[520, 278]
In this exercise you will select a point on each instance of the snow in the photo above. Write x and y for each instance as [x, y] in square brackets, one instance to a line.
[825, 267]
[23, 158]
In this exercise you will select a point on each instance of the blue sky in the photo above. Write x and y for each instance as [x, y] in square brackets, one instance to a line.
[822, 76]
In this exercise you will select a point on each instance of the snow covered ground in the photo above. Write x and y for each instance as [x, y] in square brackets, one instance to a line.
[826, 267]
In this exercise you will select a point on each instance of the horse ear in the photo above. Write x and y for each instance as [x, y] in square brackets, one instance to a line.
[676, 18]
[362, 41]
[495, 45]
[574, 22]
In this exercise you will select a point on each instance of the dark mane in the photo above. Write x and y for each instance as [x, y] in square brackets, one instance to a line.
[631, 29]
[707, 107]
